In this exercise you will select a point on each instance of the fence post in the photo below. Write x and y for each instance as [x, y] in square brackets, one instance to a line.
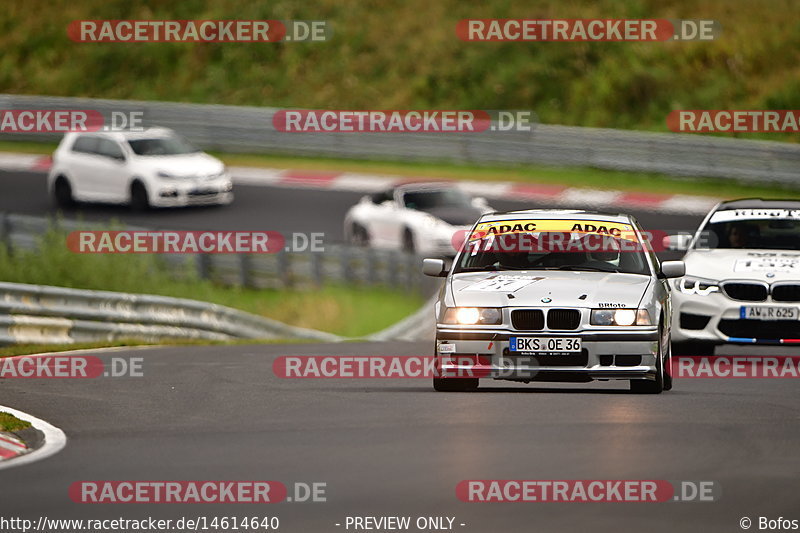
[316, 268]
[204, 266]
[244, 270]
[5, 231]
[284, 267]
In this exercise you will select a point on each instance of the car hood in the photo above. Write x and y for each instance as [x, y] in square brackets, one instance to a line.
[762, 265]
[535, 288]
[456, 216]
[188, 165]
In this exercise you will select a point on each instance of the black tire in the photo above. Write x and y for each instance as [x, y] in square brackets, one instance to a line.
[659, 384]
[62, 193]
[139, 199]
[408, 241]
[455, 384]
[693, 348]
[359, 235]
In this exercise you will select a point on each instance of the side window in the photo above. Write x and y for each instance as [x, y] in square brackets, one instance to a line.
[86, 144]
[111, 149]
[648, 247]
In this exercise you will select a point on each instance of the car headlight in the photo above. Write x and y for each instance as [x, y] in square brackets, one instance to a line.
[620, 317]
[473, 315]
[166, 175]
[698, 286]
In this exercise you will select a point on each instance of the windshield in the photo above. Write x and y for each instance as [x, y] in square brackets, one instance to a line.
[759, 229]
[580, 245]
[161, 146]
[436, 198]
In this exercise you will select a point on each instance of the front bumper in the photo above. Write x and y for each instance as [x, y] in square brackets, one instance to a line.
[628, 354]
[177, 194]
[717, 319]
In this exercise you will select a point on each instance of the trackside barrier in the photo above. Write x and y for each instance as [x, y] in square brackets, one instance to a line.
[44, 314]
[250, 129]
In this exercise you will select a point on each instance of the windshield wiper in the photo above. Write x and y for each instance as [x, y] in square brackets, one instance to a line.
[581, 268]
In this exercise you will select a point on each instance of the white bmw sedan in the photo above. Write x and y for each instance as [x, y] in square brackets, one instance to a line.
[154, 167]
[742, 283]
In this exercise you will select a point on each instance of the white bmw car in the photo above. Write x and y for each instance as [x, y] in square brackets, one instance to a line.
[154, 167]
[418, 218]
[554, 295]
[742, 282]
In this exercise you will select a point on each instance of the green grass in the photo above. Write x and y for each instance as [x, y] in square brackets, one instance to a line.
[349, 311]
[406, 55]
[529, 174]
[9, 422]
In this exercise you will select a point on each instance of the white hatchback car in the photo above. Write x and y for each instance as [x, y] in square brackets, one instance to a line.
[154, 167]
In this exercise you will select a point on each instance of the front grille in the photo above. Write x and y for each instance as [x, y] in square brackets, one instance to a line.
[786, 293]
[527, 319]
[563, 319]
[760, 329]
[690, 321]
[203, 192]
[745, 292]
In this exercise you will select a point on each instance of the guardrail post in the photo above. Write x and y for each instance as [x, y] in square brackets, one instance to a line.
[316, 268]
[284, 267]
[5, 231]
[244, 270]
[345, 264]
[394, 267]
[204, 266]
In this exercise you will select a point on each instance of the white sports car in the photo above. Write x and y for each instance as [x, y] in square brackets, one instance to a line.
[742, 282]
[415, 217]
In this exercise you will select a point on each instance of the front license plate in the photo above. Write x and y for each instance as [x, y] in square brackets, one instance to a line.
[534, 345]
[763, 312]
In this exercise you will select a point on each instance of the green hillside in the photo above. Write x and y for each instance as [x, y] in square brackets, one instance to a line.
[404, 54]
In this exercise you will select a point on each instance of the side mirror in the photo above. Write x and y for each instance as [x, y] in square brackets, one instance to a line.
[673, 269]
[677, 243]
[434, 267]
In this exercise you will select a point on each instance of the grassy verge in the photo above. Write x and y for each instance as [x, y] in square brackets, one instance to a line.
[530, 174]
[9, 422]
[349, 311]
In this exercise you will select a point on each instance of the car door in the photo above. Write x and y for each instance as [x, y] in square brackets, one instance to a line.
[111, 171]
[80, 168]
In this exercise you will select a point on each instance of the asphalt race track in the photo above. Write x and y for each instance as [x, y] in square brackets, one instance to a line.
[395, 447]
[392, 447]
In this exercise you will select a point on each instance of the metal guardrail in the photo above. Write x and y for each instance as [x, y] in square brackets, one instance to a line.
[44, 314]
[250, 129]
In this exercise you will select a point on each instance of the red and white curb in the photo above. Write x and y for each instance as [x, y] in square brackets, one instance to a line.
[14, 453]
[11, 447]
[552, 195]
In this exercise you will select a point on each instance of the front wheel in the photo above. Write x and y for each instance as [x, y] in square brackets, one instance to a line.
[663, 380]
[139, 199]
[62, 192]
